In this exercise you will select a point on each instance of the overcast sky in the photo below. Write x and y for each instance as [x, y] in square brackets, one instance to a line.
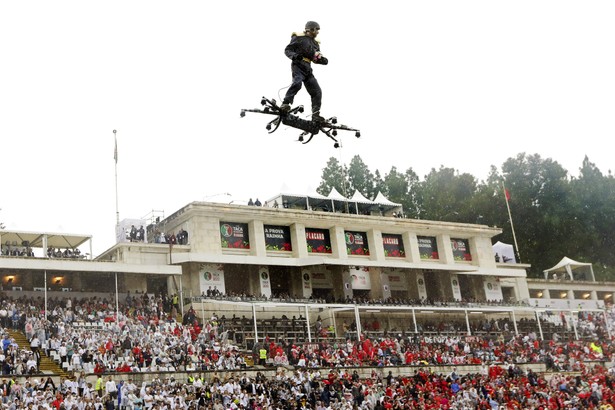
[465, 84]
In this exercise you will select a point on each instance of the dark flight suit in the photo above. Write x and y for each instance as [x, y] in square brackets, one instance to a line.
[301, 51]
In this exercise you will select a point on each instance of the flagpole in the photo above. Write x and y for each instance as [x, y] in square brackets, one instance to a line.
[117, 209]
[512, 227]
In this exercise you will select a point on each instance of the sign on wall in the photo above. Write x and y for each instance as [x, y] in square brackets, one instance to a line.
[493, 290]
[397, 281]
[318, 240]
[428, 247]
[306, 278]
[420, 284]
[356, 243]
[234, 235]
[277, 238]
[360, 279]
[322, 280]
[265, 281]
[461, 249]
[455, 287]
[393, 245]
[211, 278]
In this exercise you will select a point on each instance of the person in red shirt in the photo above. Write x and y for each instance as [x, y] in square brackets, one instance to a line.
[58, 401]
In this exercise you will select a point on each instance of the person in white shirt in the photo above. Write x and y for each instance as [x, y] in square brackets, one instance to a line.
[111, 388]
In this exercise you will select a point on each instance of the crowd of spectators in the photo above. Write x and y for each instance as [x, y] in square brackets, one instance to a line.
[67, 253]
[135, 234]
[170, 238]
[492, 388]
[365, 301]
[12, 249]
[148, 337]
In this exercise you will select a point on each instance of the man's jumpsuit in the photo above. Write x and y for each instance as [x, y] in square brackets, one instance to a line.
[301, 51]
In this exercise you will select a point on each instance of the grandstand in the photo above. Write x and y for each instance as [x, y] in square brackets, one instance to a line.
[353, 264]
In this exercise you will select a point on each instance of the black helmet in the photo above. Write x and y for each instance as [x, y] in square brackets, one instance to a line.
[311, 25]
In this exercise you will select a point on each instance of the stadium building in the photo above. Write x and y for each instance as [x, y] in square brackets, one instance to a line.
[334, 265]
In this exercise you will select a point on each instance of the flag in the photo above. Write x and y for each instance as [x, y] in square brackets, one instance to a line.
[507, 194]
[115, 149]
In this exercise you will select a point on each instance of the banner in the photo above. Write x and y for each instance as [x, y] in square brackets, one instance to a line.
[265, 281]
[461, 249]
[306, 277]
[397, 281]
[211, 279]
[360, 279]
[420, 284]
[386, 288]
[455, 287]
[393, 245]
[318, 240]
[277, 238]
[234, 235]
[347, 280]
[493, 290]
[322, 280]
[356, 243]
[428, 247]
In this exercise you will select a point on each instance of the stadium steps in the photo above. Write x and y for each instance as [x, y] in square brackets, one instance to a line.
[48, 365]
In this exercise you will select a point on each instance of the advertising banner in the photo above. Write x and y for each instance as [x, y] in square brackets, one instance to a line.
[360, 279]
[306, 277]
[461, 249]
[356, 243]
[493, 290]
[318, 240]
[234, 235]
[420, 284]
[393, 245]
[265, 281]
[397, 281]
[211, 279]
[428, 247]
[322, 280]
[455, 287]
[277, 238]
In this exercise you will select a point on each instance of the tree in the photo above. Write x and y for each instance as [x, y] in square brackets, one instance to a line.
[593, 197]
[402, 188]
[333, 176]
[447, 195]
[540, 208]
[360, 178]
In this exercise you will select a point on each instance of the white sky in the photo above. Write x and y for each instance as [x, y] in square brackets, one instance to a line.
[465, 84]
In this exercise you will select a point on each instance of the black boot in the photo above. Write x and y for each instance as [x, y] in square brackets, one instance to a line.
[317, 118]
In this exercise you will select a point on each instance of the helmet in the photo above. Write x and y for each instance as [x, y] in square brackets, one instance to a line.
[310, 25]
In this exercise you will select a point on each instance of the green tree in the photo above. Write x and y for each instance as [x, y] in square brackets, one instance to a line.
[540, 208]
[593, 199]
[403, 188]
[360, 178]
[333, 176]
[447, 195]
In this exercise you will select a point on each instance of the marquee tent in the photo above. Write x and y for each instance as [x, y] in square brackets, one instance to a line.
[504, 252]
[572, 269]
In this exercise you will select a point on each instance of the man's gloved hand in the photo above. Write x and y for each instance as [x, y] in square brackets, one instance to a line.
[320, 59]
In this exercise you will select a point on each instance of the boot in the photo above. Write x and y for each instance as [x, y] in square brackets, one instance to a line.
[317, 118]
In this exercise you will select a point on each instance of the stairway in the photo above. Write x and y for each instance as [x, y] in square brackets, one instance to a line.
[48, 366]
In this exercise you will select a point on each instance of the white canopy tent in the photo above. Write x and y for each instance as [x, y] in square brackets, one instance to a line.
[572, 269]
[336, 202]
[504, 252]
